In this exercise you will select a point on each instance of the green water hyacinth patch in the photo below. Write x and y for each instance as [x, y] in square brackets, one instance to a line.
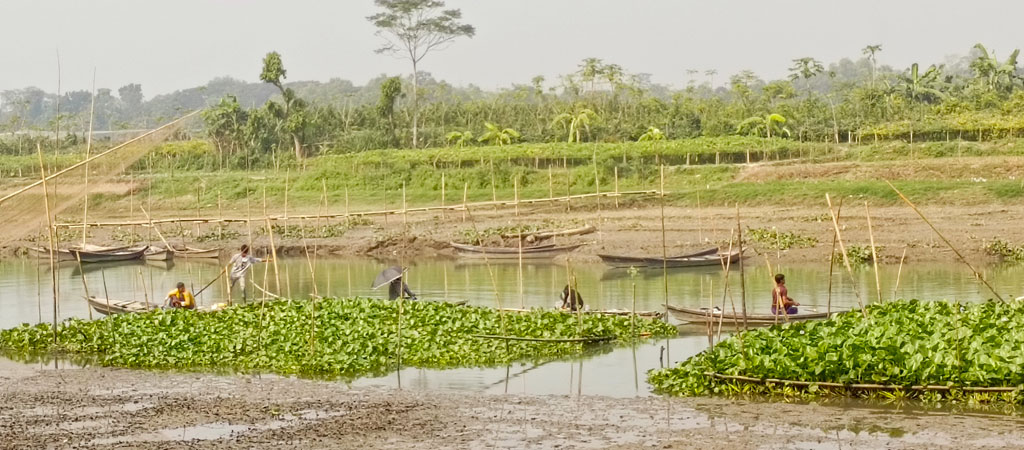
[330, 338]
[903, 344]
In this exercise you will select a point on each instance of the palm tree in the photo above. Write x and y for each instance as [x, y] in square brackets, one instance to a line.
[870, 51]
[459, 138]
[766, 124]
[496, 135]
[652, 134]
[575, 121]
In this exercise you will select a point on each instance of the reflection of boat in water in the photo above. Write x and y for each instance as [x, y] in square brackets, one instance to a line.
[497, 253]
[603, 312]
[702, 315]
[710, 257]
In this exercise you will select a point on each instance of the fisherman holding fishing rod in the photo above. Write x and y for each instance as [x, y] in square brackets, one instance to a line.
[240, 264]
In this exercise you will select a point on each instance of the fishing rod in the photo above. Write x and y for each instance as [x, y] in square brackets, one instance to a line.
[211, 281]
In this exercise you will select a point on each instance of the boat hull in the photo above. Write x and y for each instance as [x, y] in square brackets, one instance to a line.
[499, 253]
[699, 315]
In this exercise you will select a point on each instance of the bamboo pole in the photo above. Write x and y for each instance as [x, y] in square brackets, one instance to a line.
[346, 201]
[88, 149]
[874, 254]
[494, 193]
[726, 264]
[846, 257]
[568, 184]
[106, 293]
[465, 197]
[405, 209]
[51, 232]
[522, 297]
[597, 187]
[951, 247]
[700, 224]
[616, 187]
[551, 183]
[899, 273]
[93, 158]
[743, 278]
[515, 189]
[273, 248]
[832, 258]
[442, 196]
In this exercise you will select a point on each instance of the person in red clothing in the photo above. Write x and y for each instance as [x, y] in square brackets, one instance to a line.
[780, 297]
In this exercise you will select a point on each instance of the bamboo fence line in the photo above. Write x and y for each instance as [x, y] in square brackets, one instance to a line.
[384, 212]
[860, 386]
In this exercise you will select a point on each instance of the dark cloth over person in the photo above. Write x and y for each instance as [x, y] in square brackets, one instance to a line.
[571, 299]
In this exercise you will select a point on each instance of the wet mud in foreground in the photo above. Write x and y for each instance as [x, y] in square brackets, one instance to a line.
[104, 408]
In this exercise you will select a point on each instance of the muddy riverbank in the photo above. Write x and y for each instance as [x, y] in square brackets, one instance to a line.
[631, 230]
[103, 408]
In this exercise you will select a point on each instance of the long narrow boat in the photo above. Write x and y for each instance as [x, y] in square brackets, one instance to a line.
[158, 254]
[124, 255]
[700, 315]
[601, 312]
[536, 252]
[640, 261]
[198, 253]
[107, 307]
[696, 261]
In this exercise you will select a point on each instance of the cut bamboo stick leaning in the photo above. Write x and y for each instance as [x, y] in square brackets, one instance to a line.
[846, 257]
[51, 232]
[949, 244]
[898, 274]
[832, 258]
[874, 254]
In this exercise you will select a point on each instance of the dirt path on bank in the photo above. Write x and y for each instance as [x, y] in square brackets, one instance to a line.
[116, 408]
[636, 230]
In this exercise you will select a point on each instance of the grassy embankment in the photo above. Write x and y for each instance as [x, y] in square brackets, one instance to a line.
[784, 172]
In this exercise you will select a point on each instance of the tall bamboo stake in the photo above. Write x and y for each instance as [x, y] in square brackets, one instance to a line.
[597, 188]
[743, 278]
[874, 254]
[832, 258]
[551, 183]
[515, 190]
[522, 298]
[951, 247]
[145, 290]
[220, 216]
[273, 248]
[465, 198]
[568, 184]
[846, 258]
[51, 234]
[898, 273]
[616, 187]
[88, 149]
[442, 196]
[700, 224]
[494, 193]
[405, 209]
[664, 255]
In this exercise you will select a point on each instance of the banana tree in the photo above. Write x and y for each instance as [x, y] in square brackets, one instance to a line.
[459, 139]
[651, 135]
[993, 73]
[496, 135]
[576, 121]
[769, 125]
[923, 86]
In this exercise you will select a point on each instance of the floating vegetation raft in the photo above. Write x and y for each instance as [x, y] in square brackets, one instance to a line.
[928, 350]
[349, 338]
[776, 240]
[1006, 250]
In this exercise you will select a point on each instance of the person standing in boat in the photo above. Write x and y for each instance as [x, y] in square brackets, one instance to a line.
[180, 298]
[240, 264]
[780, 297]
[571, 299]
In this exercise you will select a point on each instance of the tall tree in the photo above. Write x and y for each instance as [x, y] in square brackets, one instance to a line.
[412, 29]
[870, 52]
[290, 113]
[390, 91]
[805, 68]
[131, 96]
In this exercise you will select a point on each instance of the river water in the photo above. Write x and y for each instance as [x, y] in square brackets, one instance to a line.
[26, 297]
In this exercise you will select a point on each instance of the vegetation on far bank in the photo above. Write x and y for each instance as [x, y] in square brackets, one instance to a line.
[903, 343]
[329, 337]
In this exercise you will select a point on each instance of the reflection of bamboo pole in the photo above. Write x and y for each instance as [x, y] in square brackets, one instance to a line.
[846, 257]
[951, 247]
[85, 284]
[874, 254]
[898, 273]
[832, 258]
[51, 235]
[145, 290]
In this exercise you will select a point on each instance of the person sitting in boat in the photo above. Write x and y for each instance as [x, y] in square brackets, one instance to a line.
[780, 297]
[180, 298]
[240, 264]
[571, 299]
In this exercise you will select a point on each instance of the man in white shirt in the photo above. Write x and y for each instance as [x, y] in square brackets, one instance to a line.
[240, 264]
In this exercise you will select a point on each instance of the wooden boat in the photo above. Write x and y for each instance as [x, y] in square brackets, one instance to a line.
[641, 261]
[124, 255]
[106, 306]
[716, 259]
[535, 252]
[59, 255]
[701, 315]
[158, 254]
[603, 312]
[98, 248]
[198, 253]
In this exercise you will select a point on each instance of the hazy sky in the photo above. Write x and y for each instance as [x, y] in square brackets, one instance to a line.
[169, 45]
